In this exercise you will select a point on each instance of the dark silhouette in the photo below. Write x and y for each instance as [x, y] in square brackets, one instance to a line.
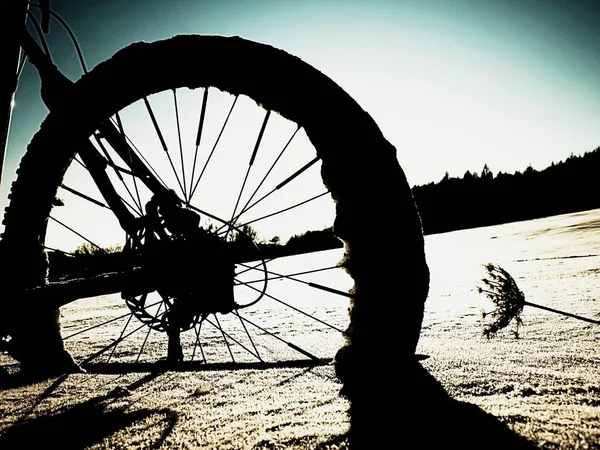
[421, 415]
[83, 425]
[419, 410]
[381, 377]
[477, 200]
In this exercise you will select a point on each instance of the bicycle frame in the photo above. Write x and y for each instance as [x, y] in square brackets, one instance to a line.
[54, 86]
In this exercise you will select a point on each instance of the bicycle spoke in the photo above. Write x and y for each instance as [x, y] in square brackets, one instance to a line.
[120, 336]
[297, 173]
[149, 329]
[141, 168]
[308, 283]
[78, 234]
[213, 149]
[293, 307]
[249, 335]
[225, 334]
[212, 216]
[278, 276]
[252, 158]
[197, 343]
[328, 289]
[279, 186]
[78, 161]
[199, 136]
[254, 267]
[245, 208]
[143, 345]
[98, 202]
[180, 144]
[224, 337]
[162, 141]
[83, 196]
[281, 210]
[289, 344]
[93, 327]
[111, 345]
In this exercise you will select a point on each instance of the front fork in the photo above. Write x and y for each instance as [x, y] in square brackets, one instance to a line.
[55, 88]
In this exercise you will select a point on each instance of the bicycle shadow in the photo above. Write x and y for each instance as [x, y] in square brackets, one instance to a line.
[17, 379]
[415, 408]
[420, 410]
[85, 424]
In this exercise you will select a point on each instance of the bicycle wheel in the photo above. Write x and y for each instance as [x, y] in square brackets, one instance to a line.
[195, 264]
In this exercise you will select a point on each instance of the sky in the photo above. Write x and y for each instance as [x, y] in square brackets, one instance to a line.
[453, 84]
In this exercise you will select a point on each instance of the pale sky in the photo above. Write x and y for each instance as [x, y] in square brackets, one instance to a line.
[453, 84]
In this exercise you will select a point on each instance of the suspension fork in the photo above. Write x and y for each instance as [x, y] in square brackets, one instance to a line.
[54, 85]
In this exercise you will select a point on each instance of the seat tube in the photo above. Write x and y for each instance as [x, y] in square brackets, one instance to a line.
[13, 15]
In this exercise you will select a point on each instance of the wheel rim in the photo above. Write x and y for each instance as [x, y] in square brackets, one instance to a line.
[347, 140]
[281, 175]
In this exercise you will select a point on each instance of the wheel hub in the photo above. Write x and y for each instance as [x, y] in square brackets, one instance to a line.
[189, 266]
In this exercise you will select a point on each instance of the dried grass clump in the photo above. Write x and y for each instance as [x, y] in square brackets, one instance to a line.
[509, 300]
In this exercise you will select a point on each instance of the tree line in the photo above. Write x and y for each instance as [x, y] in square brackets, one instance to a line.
[89, 259]
[482, 199]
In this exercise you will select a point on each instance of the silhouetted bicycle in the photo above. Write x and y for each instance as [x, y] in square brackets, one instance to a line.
[203, 175]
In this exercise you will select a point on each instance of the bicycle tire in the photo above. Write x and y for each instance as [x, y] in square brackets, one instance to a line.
[359, 167]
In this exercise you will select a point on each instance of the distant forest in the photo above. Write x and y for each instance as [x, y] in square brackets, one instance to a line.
[481, 199]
